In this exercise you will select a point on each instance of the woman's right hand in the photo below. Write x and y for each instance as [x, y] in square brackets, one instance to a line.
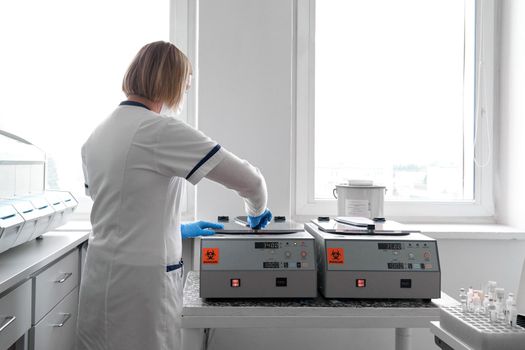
[261, 221]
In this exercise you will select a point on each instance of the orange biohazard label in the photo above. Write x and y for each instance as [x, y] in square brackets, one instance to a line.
[336, 255]
[210, 255]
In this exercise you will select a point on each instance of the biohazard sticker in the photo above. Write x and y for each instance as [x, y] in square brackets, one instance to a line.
[210, 255]
[336, 255]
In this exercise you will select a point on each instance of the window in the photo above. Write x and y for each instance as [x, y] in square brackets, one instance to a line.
[391, 91]
[62, 65]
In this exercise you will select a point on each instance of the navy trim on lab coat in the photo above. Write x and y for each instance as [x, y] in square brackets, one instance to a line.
[133, 103]
[170, 268]
[204, 160]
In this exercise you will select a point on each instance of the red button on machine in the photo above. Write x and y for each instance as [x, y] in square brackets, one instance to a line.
[360, 283]
[235, 282]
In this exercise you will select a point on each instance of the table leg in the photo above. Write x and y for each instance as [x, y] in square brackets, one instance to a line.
[403, 339]
[192, 338]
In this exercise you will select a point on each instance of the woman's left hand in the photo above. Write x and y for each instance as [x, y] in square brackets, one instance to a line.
[199, 228]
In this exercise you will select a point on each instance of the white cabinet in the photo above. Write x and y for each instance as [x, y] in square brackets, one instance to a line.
[54, 283]
[56, 331]
[15, 314]
[39, 284]
[55, 304]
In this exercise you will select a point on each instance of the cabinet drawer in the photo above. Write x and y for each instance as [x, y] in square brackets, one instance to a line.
[57, 330]
[54, 283]
[15, 314]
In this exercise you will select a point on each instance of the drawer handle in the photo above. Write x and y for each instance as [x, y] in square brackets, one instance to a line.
[67, 316]
[65, 277]
[7, 321]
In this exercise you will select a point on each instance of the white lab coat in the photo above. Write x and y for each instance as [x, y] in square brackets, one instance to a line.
[135, 164]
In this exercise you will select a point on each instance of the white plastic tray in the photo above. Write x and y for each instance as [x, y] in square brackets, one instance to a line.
[477, 331]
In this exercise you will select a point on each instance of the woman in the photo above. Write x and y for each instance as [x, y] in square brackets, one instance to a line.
[135, 164]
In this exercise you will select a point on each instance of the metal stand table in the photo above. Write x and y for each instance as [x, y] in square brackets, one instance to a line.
[198, 315]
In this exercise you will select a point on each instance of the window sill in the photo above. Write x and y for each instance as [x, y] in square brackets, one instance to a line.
[470, 231]
[437, 231]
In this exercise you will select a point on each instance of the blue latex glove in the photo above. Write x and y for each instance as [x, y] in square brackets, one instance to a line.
[198, 228]
[261, 221]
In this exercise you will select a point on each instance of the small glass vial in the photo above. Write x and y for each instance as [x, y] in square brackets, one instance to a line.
[482, 298]
[491, 289]
[513, 314]
[508, 307]
[500, 304]
[463, 299]
[470, 295]
[490, 294]
[476, 303]
[492, 311]
[486, 306]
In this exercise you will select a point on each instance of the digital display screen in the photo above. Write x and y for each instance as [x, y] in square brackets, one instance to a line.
[389, 246]
[266, 245]
[396, 266]
[271, 264]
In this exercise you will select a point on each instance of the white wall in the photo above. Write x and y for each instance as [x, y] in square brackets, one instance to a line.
[245, 102]
[511, 175]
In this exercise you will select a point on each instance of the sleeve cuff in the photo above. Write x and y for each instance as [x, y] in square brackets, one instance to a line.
[206, 165]
[254, 212]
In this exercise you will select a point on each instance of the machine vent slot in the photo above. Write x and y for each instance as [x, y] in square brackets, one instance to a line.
[44, 207]
[8, 217]
[521, 321]
[27, 211]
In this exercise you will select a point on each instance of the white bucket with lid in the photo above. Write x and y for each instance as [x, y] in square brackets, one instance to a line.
[360, 198]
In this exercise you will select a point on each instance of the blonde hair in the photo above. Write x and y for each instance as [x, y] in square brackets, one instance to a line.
[159, 72]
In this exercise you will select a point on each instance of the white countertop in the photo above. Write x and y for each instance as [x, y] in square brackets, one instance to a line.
[19, 263]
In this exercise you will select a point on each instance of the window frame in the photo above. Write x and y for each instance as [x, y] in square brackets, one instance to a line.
[304, 204]
[183, 32]
[184, 24]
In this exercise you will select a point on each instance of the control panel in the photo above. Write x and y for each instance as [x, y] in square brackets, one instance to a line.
[377, 255]
[290, 252]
